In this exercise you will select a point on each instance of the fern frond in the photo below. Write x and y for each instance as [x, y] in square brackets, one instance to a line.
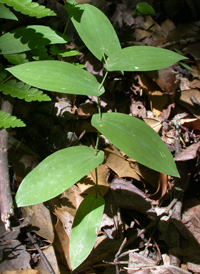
[30, 8]
[7, 121]
[23, 91]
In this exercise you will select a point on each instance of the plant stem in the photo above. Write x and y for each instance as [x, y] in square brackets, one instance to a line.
[101, 85]
[96, 175]
[66, 26]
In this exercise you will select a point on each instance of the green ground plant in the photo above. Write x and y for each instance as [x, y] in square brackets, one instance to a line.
[62, 169]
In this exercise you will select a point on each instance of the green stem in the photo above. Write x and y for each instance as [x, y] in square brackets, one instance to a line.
[97, 143]
[101, 85]
[66, 26]
[96, 175]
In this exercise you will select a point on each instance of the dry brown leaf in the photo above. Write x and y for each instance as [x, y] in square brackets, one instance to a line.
[139, 261]
[186, 101]
[191, 217]
[87, 184]
[151, 31]
[188, 154]
[195, 83]
[127, 195]
[21, 271]
[192, 123]
[153, 123]
[161, 191]
[193, 49]
[157, 99]
[165, 78]
[167, 26]
[65, 207]
[117, 162]
[86, 110]
[40, 218]
[61, 244]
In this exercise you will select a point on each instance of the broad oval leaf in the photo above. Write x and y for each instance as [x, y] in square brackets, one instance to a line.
[141, 58]
[137, 140]
[56, 173]
[28, 38]
[57, 76]
[7, 121]
[6, 13]
[95, 29]
[85, 228]
[29, 8]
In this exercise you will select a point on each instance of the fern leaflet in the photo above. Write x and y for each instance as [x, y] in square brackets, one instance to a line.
[7, 121]
[23, 91]
[30, 8]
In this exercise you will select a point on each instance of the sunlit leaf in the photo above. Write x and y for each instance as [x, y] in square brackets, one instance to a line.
[29, 8]
[85, 228]
[137, 140]
[56, 173]
[57, 76]
[94, 28]
[141, 58]
[28, 38]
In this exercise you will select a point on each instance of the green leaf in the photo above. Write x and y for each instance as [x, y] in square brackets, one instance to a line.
[27, 38]
[85, 229]
[7, 121]
[16, 59]
[57, 76]
[23, 91]
[145, 8]
[30, 8]
[5, 13]
[141, 58]
[56, 173]
[95, 29]
[137, 140]
[55, 50]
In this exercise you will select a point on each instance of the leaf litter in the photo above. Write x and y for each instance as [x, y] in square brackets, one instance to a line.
[151, 221]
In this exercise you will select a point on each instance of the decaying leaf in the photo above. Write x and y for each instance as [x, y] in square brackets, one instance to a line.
[87, 184]
[128, 196]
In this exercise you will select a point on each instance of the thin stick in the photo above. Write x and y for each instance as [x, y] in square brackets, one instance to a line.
[6, 206]
[47, 263]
